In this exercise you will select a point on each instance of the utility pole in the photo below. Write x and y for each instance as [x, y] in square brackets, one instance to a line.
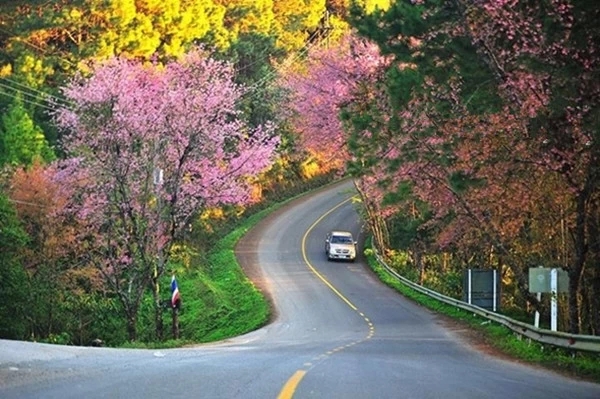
[158, 182]
[327, 28]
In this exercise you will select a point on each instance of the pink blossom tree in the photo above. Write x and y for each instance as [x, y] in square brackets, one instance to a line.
[320, 89]
[492, 108]
[150, 146]
[542, 53]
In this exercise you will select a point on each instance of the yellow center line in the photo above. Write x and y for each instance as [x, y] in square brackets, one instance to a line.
[290, 386]
[311, 267]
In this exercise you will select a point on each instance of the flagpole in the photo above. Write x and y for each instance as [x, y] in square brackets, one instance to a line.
[175, 304]
[175, 322]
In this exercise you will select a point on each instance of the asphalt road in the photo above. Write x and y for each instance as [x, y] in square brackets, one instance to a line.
[338, 333]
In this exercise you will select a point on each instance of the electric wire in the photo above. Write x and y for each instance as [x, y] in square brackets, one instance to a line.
[30, 98]
[254, 89]
[310, 43]
[26, 100]
[53, 99]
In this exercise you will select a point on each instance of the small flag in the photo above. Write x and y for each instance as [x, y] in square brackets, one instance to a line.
[175, 297]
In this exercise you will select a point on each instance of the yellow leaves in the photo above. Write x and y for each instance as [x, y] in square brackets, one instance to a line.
[75, 14]
[40, 37]
[294, 18]
[212, 213]
[141, 28]
[34, 69]
[256, 192]
[310, 168]
[182, 254]
[143, 40]
[174, 46]
[5, 70]
[121, 12]
[371, 5]
[249, 16]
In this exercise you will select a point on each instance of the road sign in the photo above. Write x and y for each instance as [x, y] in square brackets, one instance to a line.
[539, 280]
[482, 287]
[553, 281]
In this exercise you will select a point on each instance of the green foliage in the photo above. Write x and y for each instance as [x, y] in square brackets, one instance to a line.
[21, 141]
[12, 275]
[403, 231]
[93, 316]
[401, 86]
[252, 55]
[58, 339]
[460, 182]
[479, 92]
[218, 299]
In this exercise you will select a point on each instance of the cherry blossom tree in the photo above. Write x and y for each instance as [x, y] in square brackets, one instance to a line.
[543, 57]
[320, 89]
[150, 146]
[492, 121]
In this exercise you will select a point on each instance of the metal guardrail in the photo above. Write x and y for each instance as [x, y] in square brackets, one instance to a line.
[587, 343]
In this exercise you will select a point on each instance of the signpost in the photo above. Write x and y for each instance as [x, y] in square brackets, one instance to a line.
[481, 287]
[548, 280]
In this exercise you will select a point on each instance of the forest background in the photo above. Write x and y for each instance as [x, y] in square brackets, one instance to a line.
[135, 135]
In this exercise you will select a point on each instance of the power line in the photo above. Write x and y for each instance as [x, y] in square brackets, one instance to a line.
[26, 203]
[55, 99]
[287, 63]
[30, 98]
[26, 100]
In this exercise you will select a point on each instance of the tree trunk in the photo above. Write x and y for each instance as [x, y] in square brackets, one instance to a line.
[132, 327]
[420, 264]
[576, 268]
[376, 222]
[595, 300]
[594, 264]
[158, 318]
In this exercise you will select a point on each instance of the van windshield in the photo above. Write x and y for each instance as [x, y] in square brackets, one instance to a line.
[341, 240]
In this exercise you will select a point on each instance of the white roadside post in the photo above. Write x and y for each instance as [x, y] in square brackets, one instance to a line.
[469, 286]
[495, 295]
[554, 299]
[536, 321]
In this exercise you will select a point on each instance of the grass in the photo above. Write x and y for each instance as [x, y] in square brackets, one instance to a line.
[218, 300]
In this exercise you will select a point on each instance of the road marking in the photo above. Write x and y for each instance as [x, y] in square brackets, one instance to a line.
[311, 267]
[290, 386]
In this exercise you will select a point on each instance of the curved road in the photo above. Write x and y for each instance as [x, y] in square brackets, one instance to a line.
[338, 333]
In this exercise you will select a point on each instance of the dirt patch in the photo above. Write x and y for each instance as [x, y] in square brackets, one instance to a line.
[246, 251]
[478, 340]
[481, 342]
